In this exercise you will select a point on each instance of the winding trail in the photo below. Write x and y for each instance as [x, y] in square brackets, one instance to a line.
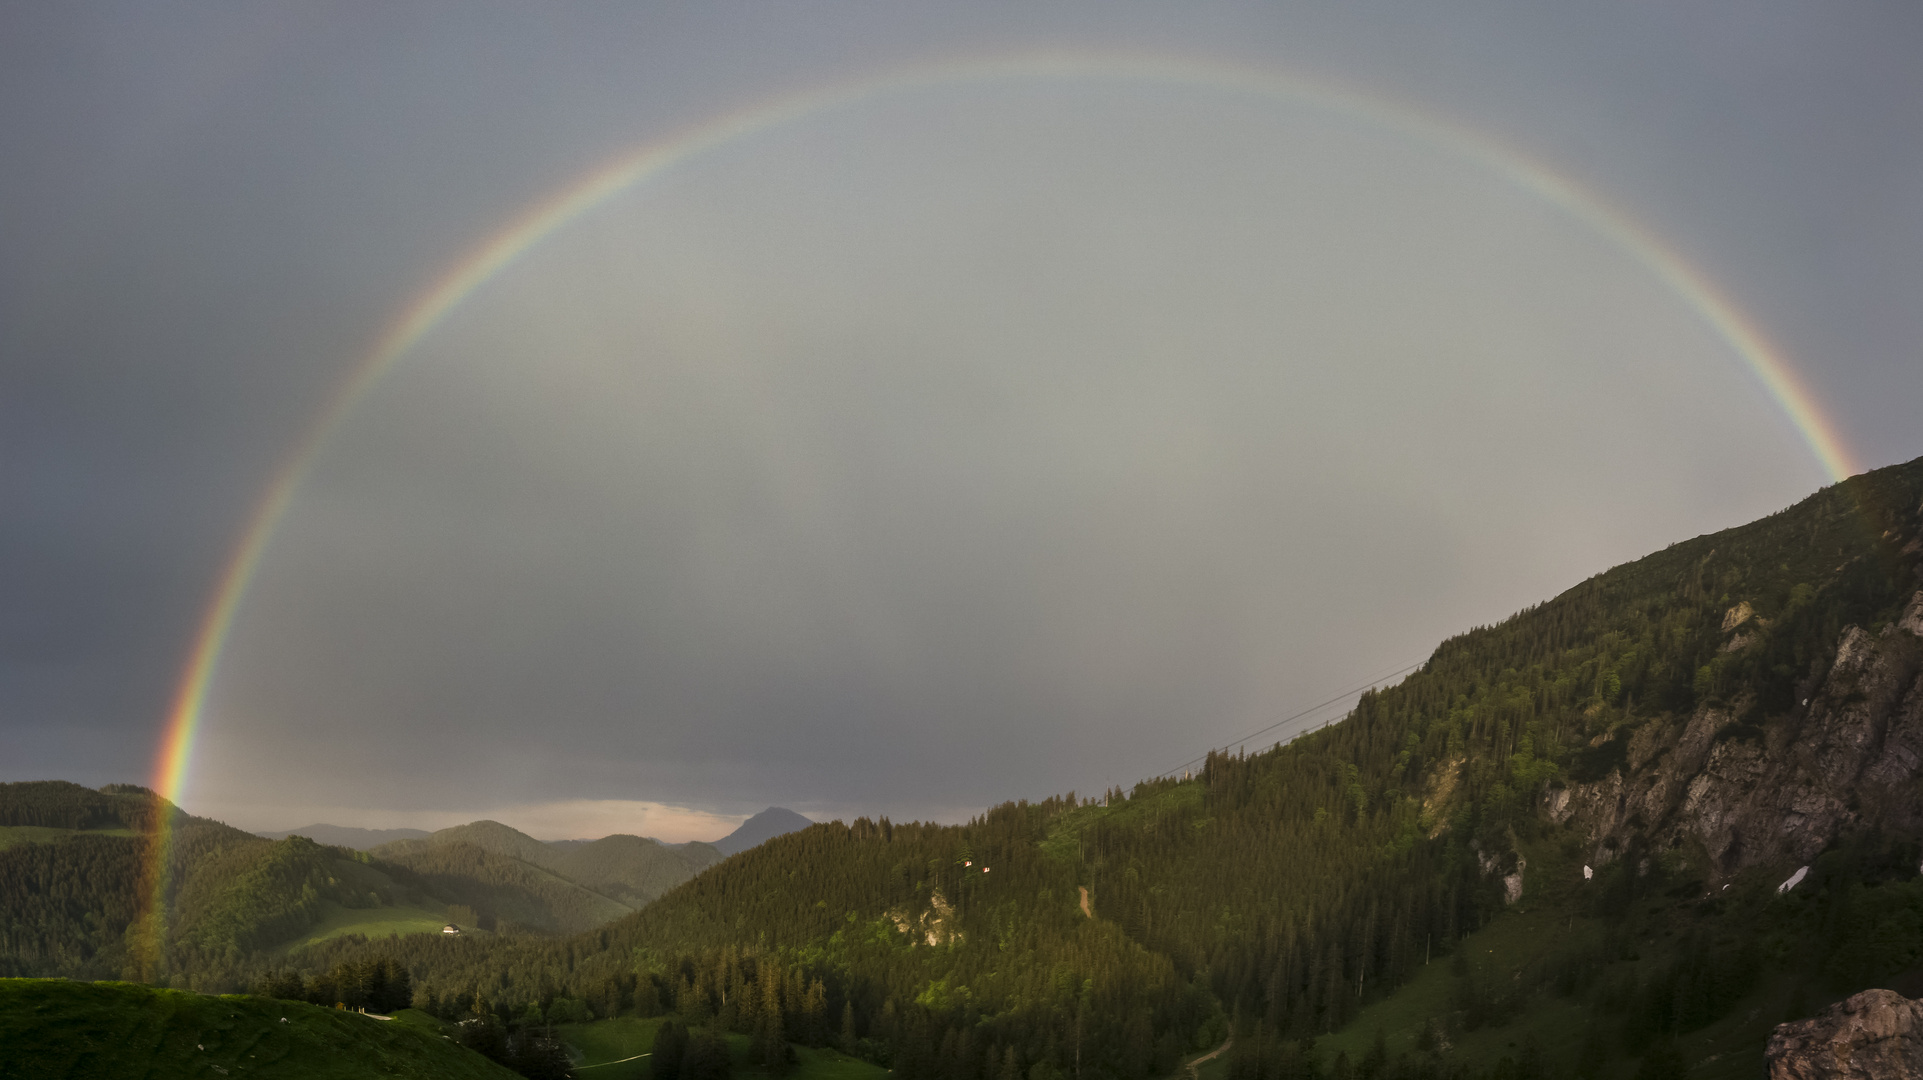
[1195, 1067]
[617, 1061]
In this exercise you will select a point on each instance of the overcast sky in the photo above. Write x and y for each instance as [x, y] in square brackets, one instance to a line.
[1031, 428]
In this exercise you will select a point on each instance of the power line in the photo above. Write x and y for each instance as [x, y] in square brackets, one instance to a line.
[1311, 710]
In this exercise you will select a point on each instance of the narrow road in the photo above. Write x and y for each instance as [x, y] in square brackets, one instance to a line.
[1195, 1067]
[617, 1061]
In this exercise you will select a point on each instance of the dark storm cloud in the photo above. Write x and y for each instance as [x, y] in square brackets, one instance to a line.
[206, 215]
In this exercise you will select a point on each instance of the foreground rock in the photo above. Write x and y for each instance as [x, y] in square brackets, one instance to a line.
[1876, 1035]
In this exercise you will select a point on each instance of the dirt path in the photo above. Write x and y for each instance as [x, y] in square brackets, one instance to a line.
[616, 1061]
[1195, 1067]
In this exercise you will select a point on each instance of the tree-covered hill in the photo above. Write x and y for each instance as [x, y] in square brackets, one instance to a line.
[630, 870]
[1690, 728]
[489, 836]
[77, 879]
[633, 869]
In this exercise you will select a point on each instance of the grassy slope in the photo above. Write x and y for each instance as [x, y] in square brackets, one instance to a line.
[605, 1041]
[57, 1029]
[1730, 1049]
[41, 834]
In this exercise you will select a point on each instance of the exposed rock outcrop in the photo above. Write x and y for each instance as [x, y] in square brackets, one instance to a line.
[1875, 1035]
[1849, 754]
[936, 925]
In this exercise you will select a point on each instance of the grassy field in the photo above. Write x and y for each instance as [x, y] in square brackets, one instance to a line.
[53, 1029]
[602, 1046]
[371, 923]
[40, 834]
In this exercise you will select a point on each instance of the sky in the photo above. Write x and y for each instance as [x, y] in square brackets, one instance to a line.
[952, 403]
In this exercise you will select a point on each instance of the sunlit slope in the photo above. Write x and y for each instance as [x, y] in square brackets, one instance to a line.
[60, 1030]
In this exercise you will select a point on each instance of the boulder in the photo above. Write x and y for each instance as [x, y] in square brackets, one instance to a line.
[1875, 1035]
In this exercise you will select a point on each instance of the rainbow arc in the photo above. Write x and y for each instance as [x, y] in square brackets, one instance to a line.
[1746, 343]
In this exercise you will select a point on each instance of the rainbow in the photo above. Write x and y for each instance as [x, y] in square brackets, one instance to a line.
[480, 265]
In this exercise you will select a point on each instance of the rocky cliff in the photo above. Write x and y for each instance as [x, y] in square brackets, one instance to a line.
[1736, 794]
[1875, 1035]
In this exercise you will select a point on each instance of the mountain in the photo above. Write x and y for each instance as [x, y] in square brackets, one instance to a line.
[1623, 832]
[760, 829]
[347, 836]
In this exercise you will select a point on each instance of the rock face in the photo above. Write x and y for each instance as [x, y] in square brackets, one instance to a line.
[1876, 1035]
[1850, 754]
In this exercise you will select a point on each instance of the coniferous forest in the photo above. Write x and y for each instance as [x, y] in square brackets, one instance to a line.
[1267, 902]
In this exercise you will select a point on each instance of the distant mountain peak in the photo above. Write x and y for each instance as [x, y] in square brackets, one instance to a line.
[770, 823]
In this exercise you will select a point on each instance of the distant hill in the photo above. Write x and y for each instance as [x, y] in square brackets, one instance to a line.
[634, 869]
[760, 829]
[628, 870]
[486, 835]
[505, 892]
[347, 836]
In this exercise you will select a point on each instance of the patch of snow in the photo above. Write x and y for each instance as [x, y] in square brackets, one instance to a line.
[1587, 872]
[1794, 880]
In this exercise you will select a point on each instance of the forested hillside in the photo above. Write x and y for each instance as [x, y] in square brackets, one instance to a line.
[1645, 724]
[76, 877]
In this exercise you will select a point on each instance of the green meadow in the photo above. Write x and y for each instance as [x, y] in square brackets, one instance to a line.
[611, 1049]
[377, 922]
[41, 834]
[55, 1029]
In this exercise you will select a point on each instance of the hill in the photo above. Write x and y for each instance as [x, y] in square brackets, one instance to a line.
[1647, 760]
[345, 836]
[633, 869]
[630, 870]
[75, 881]
[506, 893]
[75, 868]
[489, 836]
[61, 1030]
[760, 829]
